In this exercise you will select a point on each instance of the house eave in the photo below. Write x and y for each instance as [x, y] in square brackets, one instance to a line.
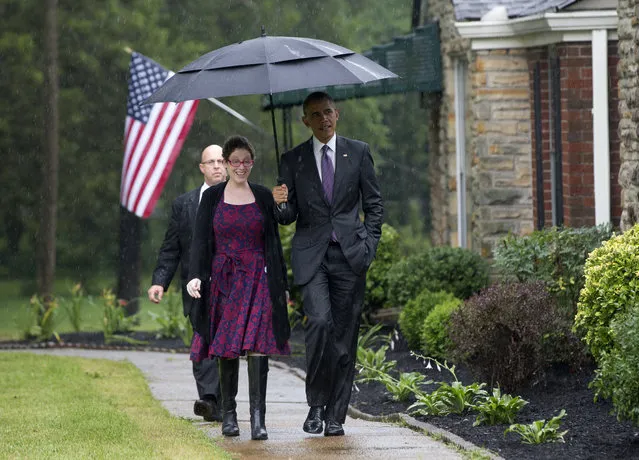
[541, 29]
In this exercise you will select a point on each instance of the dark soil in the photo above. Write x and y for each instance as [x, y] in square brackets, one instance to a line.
[592, 432]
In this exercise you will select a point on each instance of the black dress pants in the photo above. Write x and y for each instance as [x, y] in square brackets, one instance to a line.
[333, 301]
[207, 378]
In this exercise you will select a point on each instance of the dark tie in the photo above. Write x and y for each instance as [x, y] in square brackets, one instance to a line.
[328, 174]
[328, 177]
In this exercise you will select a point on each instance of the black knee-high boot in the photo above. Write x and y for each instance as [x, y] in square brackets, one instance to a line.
[258, 376]
[229, 370]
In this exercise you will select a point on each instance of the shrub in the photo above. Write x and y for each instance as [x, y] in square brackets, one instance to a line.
[376, 296]
[412, 316]
[459, 271]
[434, 335]
[555, 256]
[499, 333]
[618, 375]
[611, 287]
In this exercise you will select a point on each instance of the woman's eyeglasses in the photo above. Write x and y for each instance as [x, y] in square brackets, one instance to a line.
[236, 163]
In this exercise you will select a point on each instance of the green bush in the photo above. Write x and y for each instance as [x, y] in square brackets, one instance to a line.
[456, 270]
[434, 335]
[618, 375]
[500, 332]
[412, 316]
[555, 256]
[376, 283]
[611, 288]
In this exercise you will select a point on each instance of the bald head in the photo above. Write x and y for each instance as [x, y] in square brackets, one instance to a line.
[212, 165]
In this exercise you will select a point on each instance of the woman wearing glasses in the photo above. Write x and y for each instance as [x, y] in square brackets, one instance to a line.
[238, 273]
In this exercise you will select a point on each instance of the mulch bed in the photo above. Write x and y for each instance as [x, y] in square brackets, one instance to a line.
[592, 432]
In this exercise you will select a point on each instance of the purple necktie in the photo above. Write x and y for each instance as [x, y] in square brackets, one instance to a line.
[328, 177]
[328, 174]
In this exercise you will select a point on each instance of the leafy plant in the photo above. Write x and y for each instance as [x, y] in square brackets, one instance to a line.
[556, 256]
[617, 377]
[401, 388]
[498, 408]
[459, 271]
[500, 332]
[369, 336]
[448, 398]
[73, 306]
[413, 314]
[611, 288]
[371, 363]
[172, 322]
[42, 317]
[434, 335]
[540, 431]
[376, 296]
[114, 318]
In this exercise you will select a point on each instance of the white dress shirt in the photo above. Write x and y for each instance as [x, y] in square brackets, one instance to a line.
[202, 189]
[317, 151]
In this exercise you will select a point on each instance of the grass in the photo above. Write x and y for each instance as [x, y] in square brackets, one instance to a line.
[62, 407]
[13, 309]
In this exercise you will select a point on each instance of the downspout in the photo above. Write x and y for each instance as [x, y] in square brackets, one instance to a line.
[600, 134]
[460, 150]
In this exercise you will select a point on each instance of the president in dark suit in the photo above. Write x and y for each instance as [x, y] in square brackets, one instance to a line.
[324, 181]
[174, 252]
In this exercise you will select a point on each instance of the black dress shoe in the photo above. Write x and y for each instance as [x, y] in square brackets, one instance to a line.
[207, 408]
[314, 420]
[333, 428]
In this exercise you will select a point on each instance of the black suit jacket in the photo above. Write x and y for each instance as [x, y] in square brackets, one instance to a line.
[355, 181]
[175, 247]
[203, 248]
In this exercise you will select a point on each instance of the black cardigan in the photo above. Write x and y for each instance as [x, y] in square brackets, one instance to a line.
[203, 248]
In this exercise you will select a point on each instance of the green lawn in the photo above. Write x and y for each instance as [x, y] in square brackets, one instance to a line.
[14, 303]
[62, 407]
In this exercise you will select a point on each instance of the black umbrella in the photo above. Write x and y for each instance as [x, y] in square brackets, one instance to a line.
[267, 65]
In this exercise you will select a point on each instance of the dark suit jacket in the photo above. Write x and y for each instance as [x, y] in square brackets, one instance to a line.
[203, 248]
[176, 244]
[316, 218]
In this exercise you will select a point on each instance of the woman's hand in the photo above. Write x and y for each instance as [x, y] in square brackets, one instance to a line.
[193, 288]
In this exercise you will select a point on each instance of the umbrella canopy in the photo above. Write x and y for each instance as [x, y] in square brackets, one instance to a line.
[267, 65]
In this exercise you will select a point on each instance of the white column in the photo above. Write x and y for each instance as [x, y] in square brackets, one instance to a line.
[600, 134]
[460, 150]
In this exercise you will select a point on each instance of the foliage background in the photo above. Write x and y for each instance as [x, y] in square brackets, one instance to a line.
[93, 85]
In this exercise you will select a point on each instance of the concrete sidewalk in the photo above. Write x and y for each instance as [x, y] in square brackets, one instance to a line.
[171, 381]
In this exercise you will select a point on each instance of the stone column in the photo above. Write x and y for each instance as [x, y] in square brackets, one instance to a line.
[628, 11]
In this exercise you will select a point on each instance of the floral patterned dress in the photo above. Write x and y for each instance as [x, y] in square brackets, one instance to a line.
[241, 309]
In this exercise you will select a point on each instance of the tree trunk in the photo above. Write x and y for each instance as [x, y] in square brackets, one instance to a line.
[47, 231]
[130, 265]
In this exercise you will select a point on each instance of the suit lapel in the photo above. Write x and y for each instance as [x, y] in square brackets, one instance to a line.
[343, 161]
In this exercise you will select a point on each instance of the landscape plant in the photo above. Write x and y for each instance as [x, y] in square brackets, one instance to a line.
[413, 314]
[498, 408]
[41, 320]
[114, 319]
[171, 321]
[610, 289]
[617, 377]
[500, 332]
[540, 431]
[435, 339]
[387, 254]
[74, 305]
[459, 271]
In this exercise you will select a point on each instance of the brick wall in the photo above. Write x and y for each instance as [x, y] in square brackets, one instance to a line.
[575, 63]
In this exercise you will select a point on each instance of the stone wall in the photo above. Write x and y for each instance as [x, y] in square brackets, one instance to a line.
[501, 147]
[628, 73]
[441, 113]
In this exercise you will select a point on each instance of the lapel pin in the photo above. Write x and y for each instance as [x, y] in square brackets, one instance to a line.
[345, 155]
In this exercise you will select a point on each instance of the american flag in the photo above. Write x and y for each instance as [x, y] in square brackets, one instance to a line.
[153, 137]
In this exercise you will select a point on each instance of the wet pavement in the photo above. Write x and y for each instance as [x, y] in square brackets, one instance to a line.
[171, 382]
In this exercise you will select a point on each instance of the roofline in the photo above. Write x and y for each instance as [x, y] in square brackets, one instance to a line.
[538, 29]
